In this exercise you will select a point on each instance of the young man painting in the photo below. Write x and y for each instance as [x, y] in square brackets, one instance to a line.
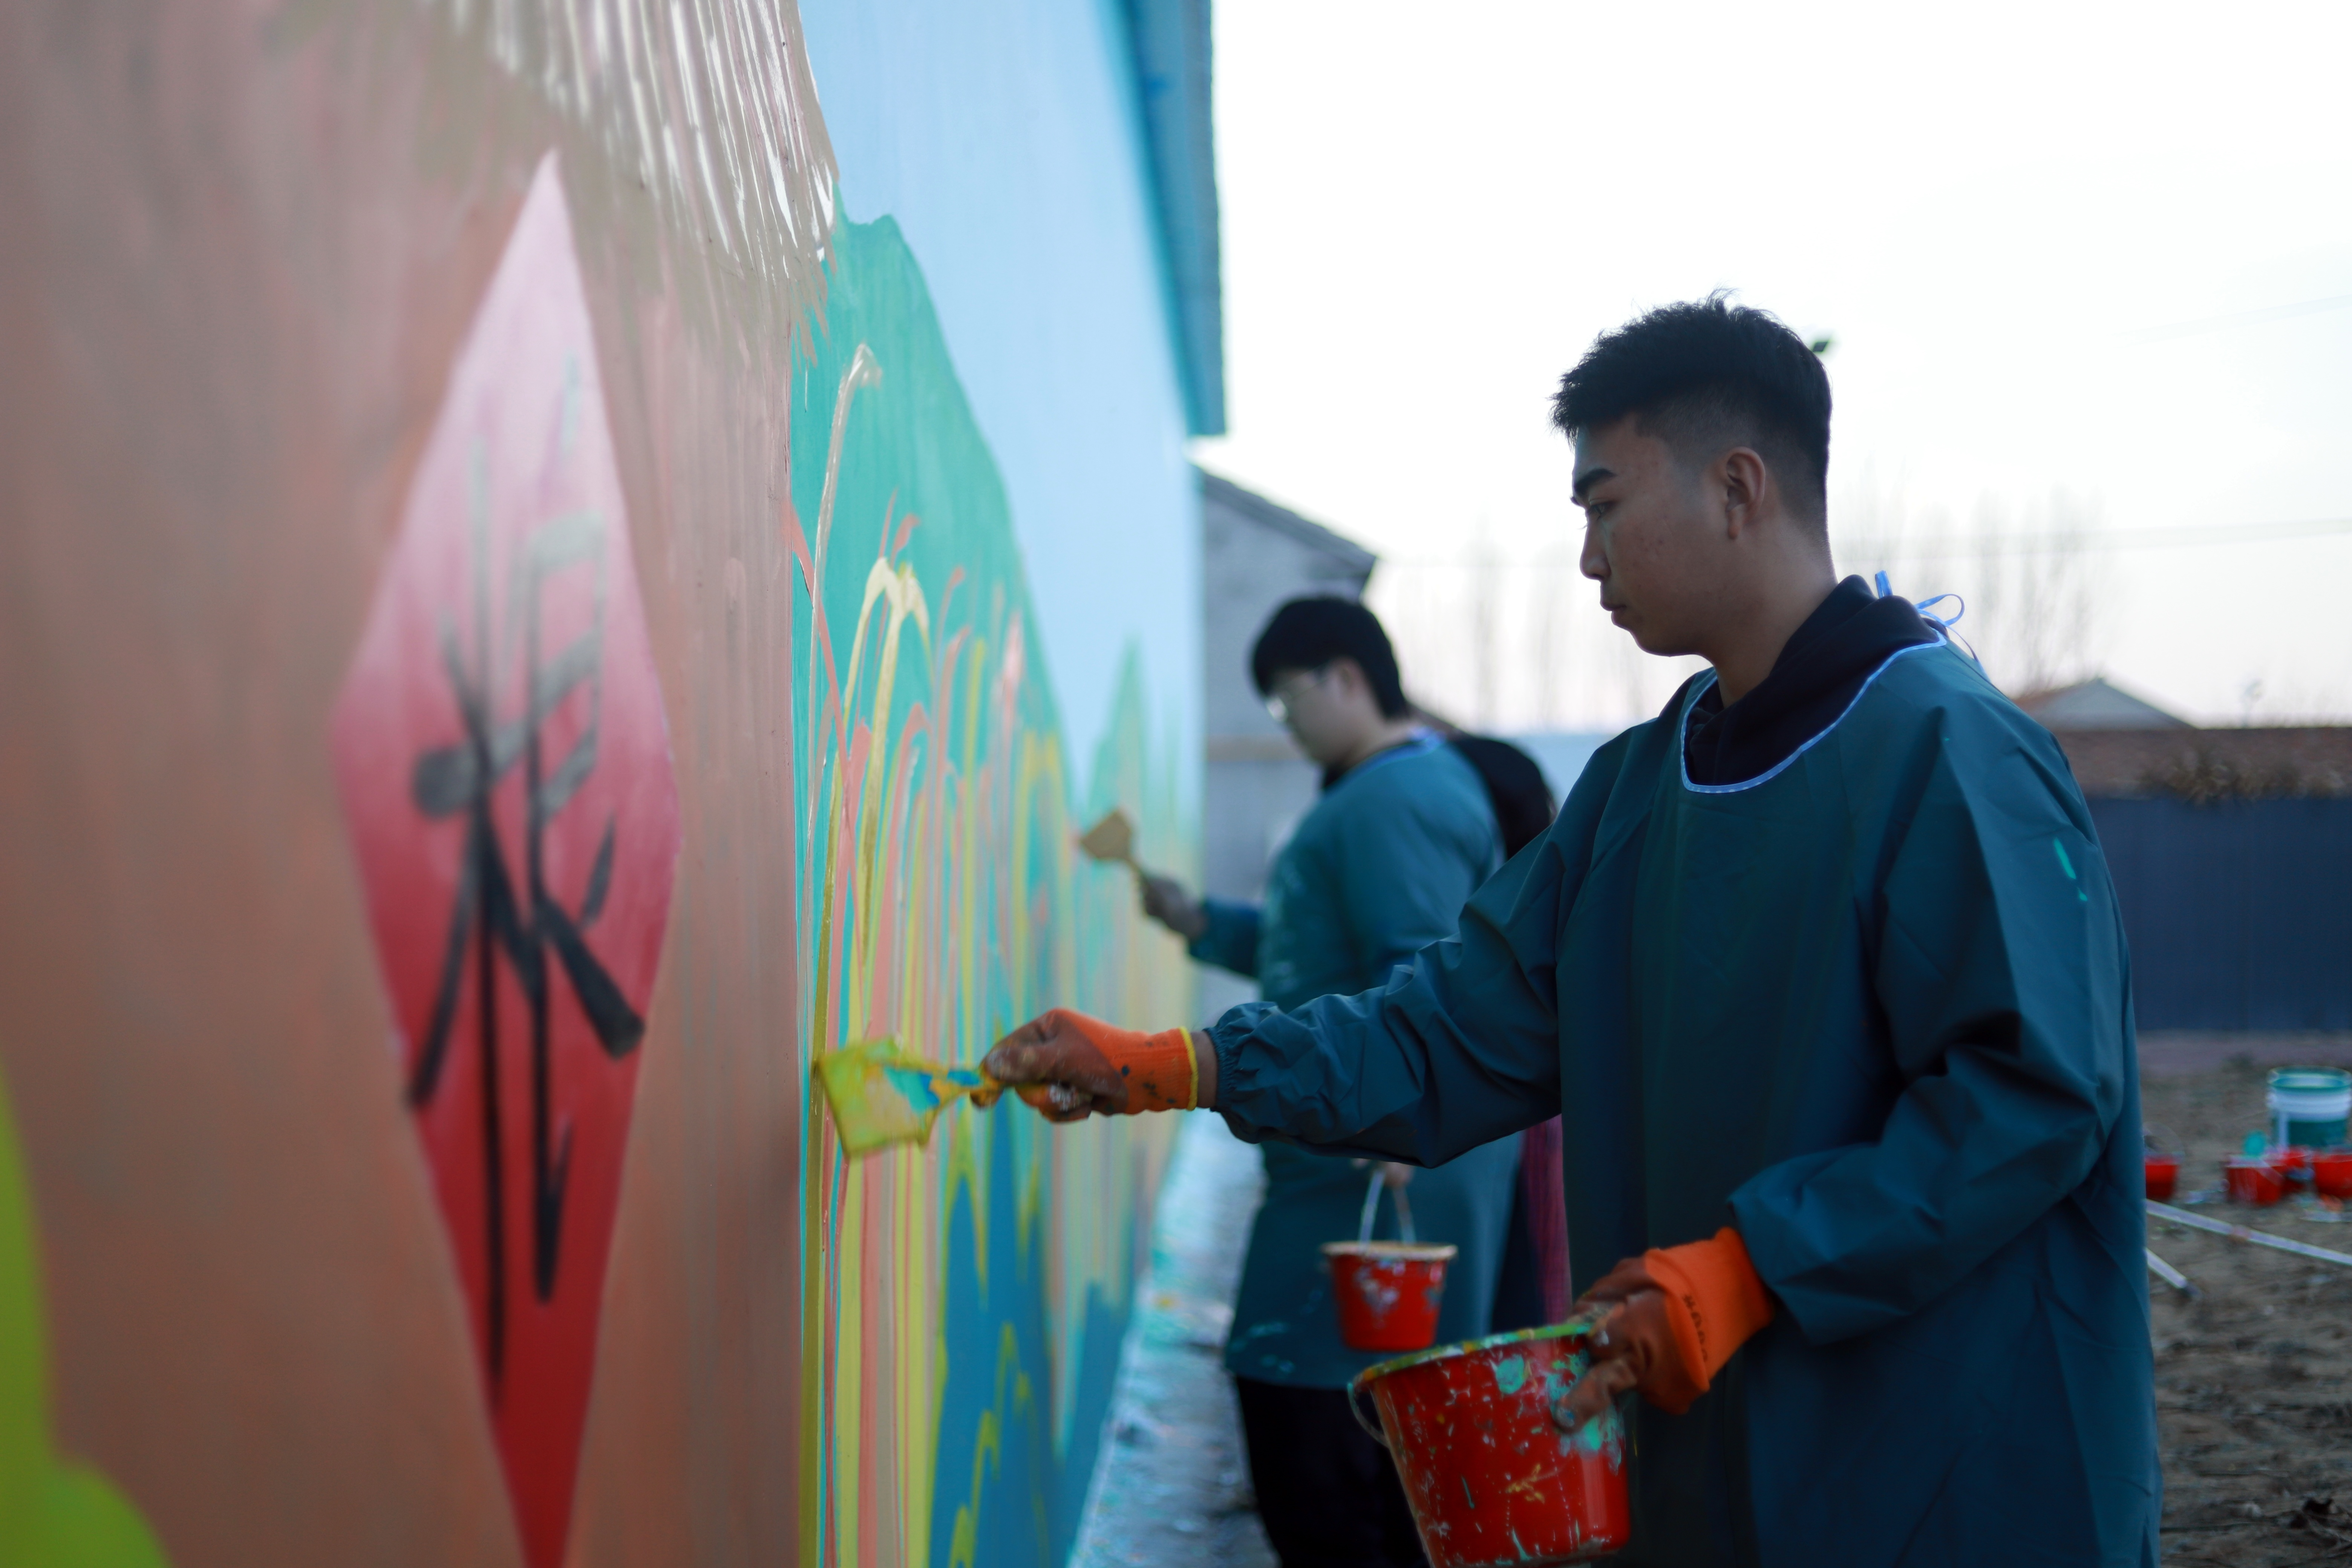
[1823, 968]
[1401, 837]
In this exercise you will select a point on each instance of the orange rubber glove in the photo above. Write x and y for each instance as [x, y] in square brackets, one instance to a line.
[1070, 1067]
[1679, 1313]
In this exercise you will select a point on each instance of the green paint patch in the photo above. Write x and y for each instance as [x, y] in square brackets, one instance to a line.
[2066, 864]
[53, 1513]
[1511, 1374]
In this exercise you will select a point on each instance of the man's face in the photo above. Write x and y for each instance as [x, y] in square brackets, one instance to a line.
[1327, 710]
[1653, 536]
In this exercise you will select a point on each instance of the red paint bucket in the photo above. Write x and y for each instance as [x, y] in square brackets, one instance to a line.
[2163, 1151]
[2331, 1173]
[2292, 1162]
[1387, 1292]
[2255, 1181]
[1490, 1479]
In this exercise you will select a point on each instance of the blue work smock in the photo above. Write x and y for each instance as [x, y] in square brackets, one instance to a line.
[1379, 867]
[1872, 1007]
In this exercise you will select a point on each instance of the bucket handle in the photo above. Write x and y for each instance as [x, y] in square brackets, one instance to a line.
[1372, 1205]
[1373, 1209]
[1356, 1409]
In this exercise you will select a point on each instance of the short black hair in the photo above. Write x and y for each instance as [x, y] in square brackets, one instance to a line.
[1706, 374]
[1308, 634]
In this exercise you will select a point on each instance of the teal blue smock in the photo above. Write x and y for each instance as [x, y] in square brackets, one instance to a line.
[1873, 1009]
[1379, 869]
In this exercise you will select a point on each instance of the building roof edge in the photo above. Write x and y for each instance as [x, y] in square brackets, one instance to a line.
[1283, 520]
[1172, 68]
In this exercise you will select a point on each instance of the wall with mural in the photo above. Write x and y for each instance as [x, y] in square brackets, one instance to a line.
[963, 1305]
[543, 586]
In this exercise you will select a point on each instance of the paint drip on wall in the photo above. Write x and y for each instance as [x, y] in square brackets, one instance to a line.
[505, 769]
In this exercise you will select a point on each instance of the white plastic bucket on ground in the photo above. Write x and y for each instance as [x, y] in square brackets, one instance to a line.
[2309, 1107]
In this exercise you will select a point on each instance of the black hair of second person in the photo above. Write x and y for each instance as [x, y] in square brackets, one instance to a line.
[1308, 634]
[1707, 376]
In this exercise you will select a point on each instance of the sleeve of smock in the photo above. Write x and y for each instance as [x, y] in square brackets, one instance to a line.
[1231, 941]
[1459, 1047]
[2001, 971]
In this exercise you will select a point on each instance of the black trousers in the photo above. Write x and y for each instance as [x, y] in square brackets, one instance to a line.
[1518, 1281]
[1326, 1493]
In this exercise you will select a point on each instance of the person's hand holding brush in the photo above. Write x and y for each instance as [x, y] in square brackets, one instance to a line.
[1070, 1067]
[1166, 899]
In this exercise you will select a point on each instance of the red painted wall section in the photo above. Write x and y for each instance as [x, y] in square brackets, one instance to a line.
[251, 257]
[505, 765]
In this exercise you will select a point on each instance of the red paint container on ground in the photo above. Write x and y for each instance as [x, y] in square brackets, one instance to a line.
[1490, 1479]
[2331, 1173]
[2163, 1174]
[2253, 1180]
[1387, 1292]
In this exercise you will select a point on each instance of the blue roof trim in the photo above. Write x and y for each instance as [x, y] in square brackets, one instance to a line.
[1172, 75]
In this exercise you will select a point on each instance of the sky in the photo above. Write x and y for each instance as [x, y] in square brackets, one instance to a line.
[2087, 271]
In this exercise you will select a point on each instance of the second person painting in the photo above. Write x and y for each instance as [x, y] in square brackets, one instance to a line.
[1404, 830]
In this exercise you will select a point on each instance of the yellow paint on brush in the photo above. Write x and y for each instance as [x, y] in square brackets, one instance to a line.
[879, 1096]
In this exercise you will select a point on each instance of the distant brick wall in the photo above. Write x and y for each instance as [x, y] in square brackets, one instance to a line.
[2207, 765]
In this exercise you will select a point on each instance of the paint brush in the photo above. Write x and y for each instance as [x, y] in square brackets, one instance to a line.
[879, 1096]
[1112, 838]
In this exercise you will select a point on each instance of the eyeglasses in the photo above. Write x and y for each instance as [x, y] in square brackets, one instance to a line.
[1278, 701]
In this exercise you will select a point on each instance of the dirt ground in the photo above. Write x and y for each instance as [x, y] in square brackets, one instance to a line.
[2253, 1381]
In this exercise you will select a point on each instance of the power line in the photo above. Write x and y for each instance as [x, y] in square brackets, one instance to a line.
[2236, 318]
[1897, 547]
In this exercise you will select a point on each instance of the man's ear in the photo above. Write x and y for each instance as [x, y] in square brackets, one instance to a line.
[1349, 675]
[1745, 479]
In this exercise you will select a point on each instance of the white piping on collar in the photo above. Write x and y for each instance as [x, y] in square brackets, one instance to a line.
[1682, 724]
[1424, 739]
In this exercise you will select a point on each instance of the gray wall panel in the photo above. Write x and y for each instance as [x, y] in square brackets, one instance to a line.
[2240, 914]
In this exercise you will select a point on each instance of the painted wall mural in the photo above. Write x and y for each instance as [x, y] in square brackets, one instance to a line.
[502, 755]
[520, 625]
[505, 766]
[962, 1303]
